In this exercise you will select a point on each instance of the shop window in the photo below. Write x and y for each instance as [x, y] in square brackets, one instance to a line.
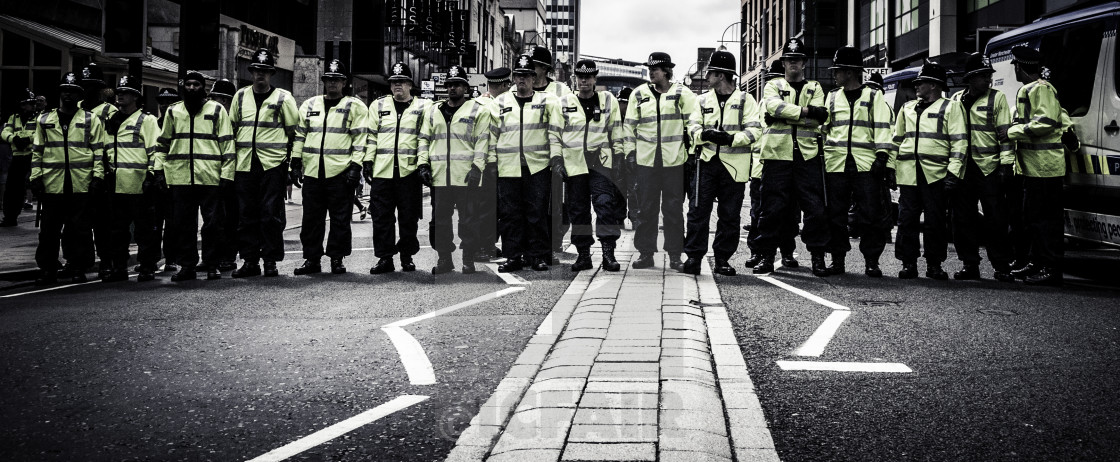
[17, 50]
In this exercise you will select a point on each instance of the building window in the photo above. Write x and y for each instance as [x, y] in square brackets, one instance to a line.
[973, 5]
[907, 19]
[878, 34]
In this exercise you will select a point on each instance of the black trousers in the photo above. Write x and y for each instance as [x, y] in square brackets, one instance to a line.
[789, 232]
[16, 188]
[65, 223]
[1017, 235]
[164, 211]
[260, 196]
[485, 198]
[320, 197]
[660, 189]
[912, 202]
[445, 201]
[967, 226]
[231, 222]
[595, 189]
[716, 184]
[782, 183]
[559, 220]
[872, 220]
[523, 214]
[188, 201]
[101, 214]
[1042, 204]
[396, 203]
[132, 217]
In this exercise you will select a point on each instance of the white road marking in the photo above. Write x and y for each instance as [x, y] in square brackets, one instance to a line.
[804, 294]
[474, 301]
[415, 361]
[509, 278]
[339, 429]
[843, 366]
[95, 280]
[362, 249]
[814, 346]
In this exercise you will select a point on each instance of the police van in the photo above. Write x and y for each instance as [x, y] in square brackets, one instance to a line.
[1079, 50]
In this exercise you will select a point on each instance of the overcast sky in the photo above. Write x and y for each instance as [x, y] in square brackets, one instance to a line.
[631, 29]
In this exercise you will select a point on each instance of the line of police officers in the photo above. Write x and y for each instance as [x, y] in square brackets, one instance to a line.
[499, 158]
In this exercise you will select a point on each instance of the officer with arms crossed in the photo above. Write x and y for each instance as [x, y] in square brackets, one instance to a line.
[263, 118]
[524, 135]
[856, 152]
[657, 147]
[454, 140]
[197, 156]
[395, 193]
[66, 166]
[725, 128]
[592, 160]
[791, 168]
[931, 141]
[990, 164]
[330, 144]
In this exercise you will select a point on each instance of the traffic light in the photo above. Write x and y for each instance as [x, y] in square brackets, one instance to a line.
[124, 28]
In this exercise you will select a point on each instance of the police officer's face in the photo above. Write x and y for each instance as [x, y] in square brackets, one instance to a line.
[126, 99]
[333, 86]
[927, 91]
[585, 83]
[978, 83]
[658, 75]
[794, 67]
[541, 70]
[192, 85]
[524, 83]
[260, 76]
[69, 96]
[225, 102]
[27, 108]
[402, 89]
[457, 91]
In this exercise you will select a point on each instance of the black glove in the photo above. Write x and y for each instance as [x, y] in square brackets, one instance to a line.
[490, 173]
[723, 138]
[295, 174]
[226, 187]
[891, 179]
[557, 165]
[952, 182]
[160, 179]
[474, 177]
[1070, 141]
[769, 119]
[1006, 173]
[879, 166]
[95, 184]
[21, 142]
[149, 184]
[367, 171]
[38, 187]
[617, 172]
[425, 172]
[708, 135]
[818, 113]
[353, 175]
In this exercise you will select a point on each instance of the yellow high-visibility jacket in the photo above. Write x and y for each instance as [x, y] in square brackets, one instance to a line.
[554, 88]
[339, 136]
[198, 149]
[266, 131]
[529, 135]
[131, 153]
[1037, 131]
[988, 114]
[659, 124]
[738, 117]
[452, 147]
[934, 141]
[859, 131]
[104, 110]
[16, 126]
[779, 100]
[581, 135]
[75, 150]
[394, 136]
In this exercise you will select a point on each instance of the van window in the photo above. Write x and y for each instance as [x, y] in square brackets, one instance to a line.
[1071, 55]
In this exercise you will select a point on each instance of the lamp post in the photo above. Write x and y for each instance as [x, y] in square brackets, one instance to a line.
[759, 64]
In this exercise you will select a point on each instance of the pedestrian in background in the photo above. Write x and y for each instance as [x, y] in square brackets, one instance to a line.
[19, 130]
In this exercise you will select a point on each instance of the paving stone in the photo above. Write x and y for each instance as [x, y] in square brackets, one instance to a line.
[610, 451]
[504, 398]
[578, 343]
[526, 371]
[671, 372]
[540, 339]
[492, 415]
[511, 383]
[533, 354]
[467, 454]
[624, 367]
[651, 357]
[571, 357]
[686, 361]
[685, 352]
[549, 399]
[728, 355]
[738, 396]
[535, 422]
[535, 455]
[690, 334]
[622, 387]
[581, 433]
[688, 310]
[563, 372]
[619, 400]
[610, 343]
[689, 456]
[629, 350]
[695, 441]
[752, 437]
[690, 395]
[691, 419]
[684, 343]
[750, 419]
[479, 435]
[615, 417]
[559, 384]
[756, 455]
[585, 333]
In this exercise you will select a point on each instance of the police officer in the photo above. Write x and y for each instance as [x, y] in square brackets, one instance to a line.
[130, 153]
[330, 144]
[1037, 131]
[222, 92]
[931, 142]
[858, 141]
[94, 86]
[66, 166]
[391, 160]
[19, 130]
[486, 195]
[988, 166]
[657, 147]
[197, 157]
[264, 118]
[96, 102]
[593, 155]
[724, 129]
[165, 98]
[524, 135]
[454, 140]
[628, 186]
[791, 167]
[542, 66]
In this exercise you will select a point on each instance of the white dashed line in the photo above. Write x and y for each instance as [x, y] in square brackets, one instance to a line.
[843, 366]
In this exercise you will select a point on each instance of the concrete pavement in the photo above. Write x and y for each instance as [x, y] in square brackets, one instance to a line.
[634, 365]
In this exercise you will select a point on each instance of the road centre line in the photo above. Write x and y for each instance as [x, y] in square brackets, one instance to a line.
[804, 294]
[339, 429]
[843, 366]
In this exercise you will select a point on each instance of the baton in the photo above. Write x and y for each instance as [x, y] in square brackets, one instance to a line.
[38, 210]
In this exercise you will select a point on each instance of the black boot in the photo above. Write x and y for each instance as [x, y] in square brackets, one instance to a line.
[116, 275]
[104, 269]
[47, 277]
[407, 264]
[969, 272]
[147, 273]
[468, 263]
[512, 264]
[1046, 276]
[384, 265]
[837, 265]
[645, 260]
[270, 270]
[609, 262]
[723, 267]
[755, 259]
[1003, 273]
[691, 266]
[443, 264]
[909, 270]
[308, 267]
[1028, 270]
[788, 261]
[819, 268]
[583, 261]
[539, 264]
[872, 270]
[675, 262]
[247, 269]
[336, 266]
[186, 273]
[934, 271]
[213, 273]
[766, 266]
